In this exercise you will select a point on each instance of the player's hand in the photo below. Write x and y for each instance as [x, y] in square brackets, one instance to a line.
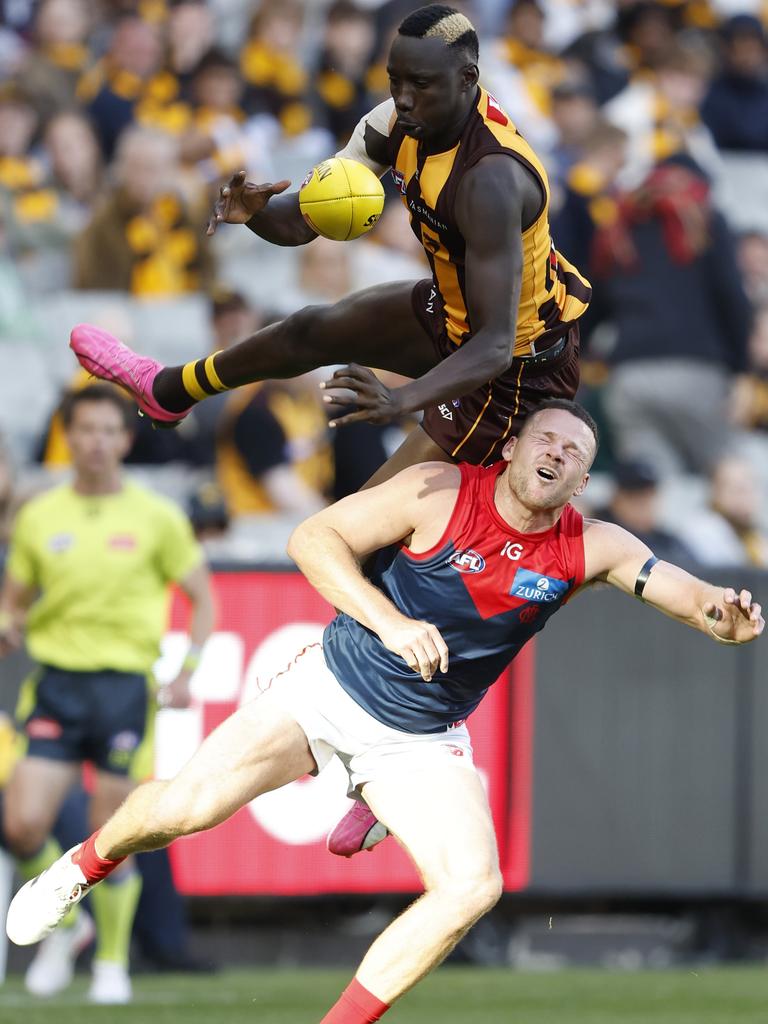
[736, 618]
[176, 693]
[418, 643]
[11, 636]
[374, 401]
[239, 200]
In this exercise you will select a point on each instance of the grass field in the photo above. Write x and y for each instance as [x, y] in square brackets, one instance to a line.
[452, 996]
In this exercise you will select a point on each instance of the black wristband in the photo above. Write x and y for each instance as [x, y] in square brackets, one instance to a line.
[642, 576]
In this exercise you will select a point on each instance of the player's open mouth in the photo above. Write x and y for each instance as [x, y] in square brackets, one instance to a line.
[546, 474]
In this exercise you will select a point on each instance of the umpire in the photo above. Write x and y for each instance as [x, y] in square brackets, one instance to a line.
[88, 586]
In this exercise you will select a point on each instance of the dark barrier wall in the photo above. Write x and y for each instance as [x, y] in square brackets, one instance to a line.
[650, 753]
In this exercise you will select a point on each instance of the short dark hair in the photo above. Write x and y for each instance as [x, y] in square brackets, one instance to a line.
[442, 22]
[568, 406]
[96, 393]
[215, 60]
[226, 300]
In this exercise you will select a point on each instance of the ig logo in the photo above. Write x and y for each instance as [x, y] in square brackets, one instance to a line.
[512, 550]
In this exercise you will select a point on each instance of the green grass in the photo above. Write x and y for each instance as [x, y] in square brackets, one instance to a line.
[452, 996]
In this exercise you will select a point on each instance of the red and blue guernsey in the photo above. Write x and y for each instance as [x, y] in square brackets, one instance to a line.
[486, 587]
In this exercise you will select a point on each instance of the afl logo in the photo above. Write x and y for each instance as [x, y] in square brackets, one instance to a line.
[467, 561]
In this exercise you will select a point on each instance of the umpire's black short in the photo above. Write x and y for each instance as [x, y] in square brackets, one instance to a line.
[103, 717]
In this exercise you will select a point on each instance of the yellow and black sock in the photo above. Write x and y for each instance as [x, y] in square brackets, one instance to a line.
[178, 387]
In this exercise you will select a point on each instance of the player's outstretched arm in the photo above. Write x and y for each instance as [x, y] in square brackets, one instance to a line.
[617, 557]
[264, 209]
[330, 546]
[277, 217]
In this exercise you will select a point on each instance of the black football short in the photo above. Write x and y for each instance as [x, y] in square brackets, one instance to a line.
[473, 428]
[103, 717]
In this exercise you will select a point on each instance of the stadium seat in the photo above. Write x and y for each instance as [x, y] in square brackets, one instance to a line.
[743, 191]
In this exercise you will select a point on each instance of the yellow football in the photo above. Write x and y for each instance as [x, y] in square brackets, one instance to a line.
[341, 199]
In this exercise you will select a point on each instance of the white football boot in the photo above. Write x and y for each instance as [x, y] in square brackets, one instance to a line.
[110, 984]
[54, 965]
[39, 906]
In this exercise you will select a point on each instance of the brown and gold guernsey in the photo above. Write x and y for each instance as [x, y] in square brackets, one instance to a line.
[553, 293]
[309, 451]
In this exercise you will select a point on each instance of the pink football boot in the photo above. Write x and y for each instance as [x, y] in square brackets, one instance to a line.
[105, 357]
[358, 830]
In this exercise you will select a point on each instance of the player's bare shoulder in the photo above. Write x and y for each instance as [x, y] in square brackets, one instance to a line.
[431, 489]
[430, 482]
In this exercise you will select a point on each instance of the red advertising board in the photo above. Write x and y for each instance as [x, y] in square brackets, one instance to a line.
[276, 845]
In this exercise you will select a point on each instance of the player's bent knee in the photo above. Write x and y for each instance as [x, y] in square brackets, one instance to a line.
[472, 896]
[24, 835]
[302, 324]
[301, 332]
[489, 893]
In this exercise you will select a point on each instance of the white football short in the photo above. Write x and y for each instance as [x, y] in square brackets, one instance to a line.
[336, 724]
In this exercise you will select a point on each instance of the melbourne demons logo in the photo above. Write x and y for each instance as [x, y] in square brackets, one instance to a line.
[399, 180]
[466, 561]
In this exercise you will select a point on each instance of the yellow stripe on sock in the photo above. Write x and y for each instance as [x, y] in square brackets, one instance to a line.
[189, 380]
[210, 373]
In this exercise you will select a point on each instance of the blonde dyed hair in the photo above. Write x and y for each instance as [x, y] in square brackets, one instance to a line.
[450, 28]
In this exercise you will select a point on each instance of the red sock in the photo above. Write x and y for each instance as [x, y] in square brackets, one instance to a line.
[356, 1006]
[91, 864]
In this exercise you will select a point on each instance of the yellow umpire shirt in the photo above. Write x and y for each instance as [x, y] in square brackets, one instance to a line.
[102, 566]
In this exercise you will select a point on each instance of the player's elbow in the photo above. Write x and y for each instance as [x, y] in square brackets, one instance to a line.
[302, 541]
[297, 543]
[500, 356]
[302, 235]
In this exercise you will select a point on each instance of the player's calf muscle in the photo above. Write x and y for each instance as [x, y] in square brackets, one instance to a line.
[179, 810]
[142, 823]
[429, 929]
[158, 812]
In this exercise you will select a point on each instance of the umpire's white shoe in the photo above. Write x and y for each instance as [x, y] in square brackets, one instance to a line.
[39, 906]
[54, 965]
[110, 985]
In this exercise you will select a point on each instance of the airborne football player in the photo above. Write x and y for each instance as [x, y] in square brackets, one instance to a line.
[489, 335]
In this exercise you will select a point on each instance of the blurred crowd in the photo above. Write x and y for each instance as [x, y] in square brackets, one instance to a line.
[119, 118]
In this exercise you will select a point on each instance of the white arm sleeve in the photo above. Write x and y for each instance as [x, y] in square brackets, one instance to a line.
[381, 119]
